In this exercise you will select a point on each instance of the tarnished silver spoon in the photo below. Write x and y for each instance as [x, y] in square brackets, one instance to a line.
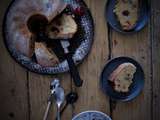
[57, 95]
[59, 99]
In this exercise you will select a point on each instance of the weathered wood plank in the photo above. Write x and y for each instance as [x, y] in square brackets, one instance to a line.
[4, 4]
[155, 59]
[90, 95]
[136, 46]
[13, 82]
[39, 92]
[39, 89]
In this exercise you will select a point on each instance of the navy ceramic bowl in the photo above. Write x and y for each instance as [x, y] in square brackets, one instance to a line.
[144, 14]
[135, 88]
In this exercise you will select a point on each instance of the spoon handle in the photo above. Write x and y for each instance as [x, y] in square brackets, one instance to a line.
[65, 106]
[47, 110]
[58, 112]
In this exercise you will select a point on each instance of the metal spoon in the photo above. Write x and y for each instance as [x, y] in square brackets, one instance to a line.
[59, 98]
[71, 98]
[57, 93]
[54, 84]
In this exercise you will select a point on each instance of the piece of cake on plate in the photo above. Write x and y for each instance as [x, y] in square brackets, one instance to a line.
[63, 26]
[45, 56]
[122, 77]
[127, 13]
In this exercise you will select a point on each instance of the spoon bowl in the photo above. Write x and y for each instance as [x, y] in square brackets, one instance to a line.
[59, 99]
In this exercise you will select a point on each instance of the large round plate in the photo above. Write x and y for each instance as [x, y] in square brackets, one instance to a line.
[79, 47]
[136, 86]
[144, 15]
[91, 115]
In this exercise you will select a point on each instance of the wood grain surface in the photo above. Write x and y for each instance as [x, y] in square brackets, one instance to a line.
[134, 46]
[91, 97]
[155, 59]
[23, 94]
[13, 82]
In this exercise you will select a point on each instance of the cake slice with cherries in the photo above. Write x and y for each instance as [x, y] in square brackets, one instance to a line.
[127, 13]
[63, 26]
[122, 77]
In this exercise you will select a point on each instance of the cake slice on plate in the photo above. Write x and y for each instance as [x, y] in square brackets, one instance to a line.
[127, 13]
[63, 26]
[45, 56]
[122, 77]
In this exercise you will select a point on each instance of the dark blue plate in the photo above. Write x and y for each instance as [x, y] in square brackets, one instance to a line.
[144, 14]
[136, 86]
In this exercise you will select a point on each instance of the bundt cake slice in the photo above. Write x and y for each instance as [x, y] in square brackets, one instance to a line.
[45, 56]
[63, 26]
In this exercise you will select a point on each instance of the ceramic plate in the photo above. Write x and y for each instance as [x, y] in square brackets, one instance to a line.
[91, 115]
[144, 14]
[135, 88]
[80, 47]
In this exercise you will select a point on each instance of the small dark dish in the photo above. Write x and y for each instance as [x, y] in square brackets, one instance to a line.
[136, 86]
[143, 16]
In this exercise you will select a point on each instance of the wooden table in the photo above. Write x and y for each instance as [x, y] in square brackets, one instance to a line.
[23, 94]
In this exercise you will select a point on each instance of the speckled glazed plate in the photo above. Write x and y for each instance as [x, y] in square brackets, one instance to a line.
[80, 47]
[91, 115]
